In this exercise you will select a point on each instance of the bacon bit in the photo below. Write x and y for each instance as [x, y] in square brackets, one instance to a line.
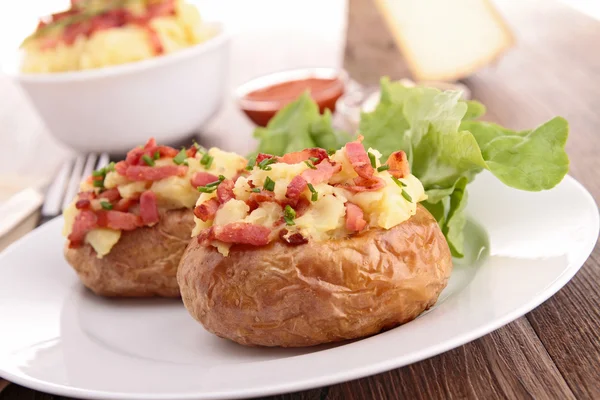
[84, 222]
[243, 233]
[144, 173]
[325, 170]
[161, 9]
[90, 195]
[110, 194]
[398, 163]
[202, 179]
[365, 185]
[302, 206]
[110, 19]
[225, 191]
[150, 143]
[118, 220]
[164, 151]
[205, 236]
[134, 156]
[306, 154]
[207, 210]
[149, 208]
[294, 239]
[73, 31]
[296, 187]
[191, 152]
[124, 204]
[121, 167]
[355, 221]
[48, 43]
[359, 159]
[82, 204]
[154, 40]
[263, 196]
[262, 156]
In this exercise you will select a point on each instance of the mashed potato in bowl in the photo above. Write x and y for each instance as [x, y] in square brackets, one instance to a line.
[101, 33]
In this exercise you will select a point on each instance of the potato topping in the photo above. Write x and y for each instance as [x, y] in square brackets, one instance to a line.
[312, 196]
[129, 194]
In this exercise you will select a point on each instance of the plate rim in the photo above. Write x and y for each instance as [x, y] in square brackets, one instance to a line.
[331, 379]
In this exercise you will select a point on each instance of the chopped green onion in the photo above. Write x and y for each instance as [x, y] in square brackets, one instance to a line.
[406, 196]
[310, 164]
[99, 184]
[251, 163]
[372, 159]
[207, 189]
[383, 168]
[206, 160]
[398, 182]
[198, 147]
[255, 190]
[269, 184]
[106, 205]
[315, 194]
[264, 164]
[216, 183]
[103, 171]
[330, 152]
[314, 159]
[288, 215]
[149, 161]
[156, 155]
[180, 157]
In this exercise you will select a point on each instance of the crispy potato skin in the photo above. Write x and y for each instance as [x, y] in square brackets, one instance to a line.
[292, 296]
[143, 263]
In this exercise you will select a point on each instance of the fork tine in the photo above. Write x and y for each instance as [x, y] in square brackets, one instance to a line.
[103, 160]
[90, 165]
[56, 191]
[74, 180]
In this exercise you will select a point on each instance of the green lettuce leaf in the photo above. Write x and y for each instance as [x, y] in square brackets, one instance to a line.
[445, 144]
[299, 126]
[447, 148]
[526, 160]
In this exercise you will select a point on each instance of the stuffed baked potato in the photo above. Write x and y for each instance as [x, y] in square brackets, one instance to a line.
[310, 249]
[131, 221]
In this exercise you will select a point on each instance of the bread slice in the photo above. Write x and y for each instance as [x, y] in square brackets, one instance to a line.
[446, 40]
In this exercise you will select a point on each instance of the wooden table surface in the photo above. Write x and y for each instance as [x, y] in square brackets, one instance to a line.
[554, 351]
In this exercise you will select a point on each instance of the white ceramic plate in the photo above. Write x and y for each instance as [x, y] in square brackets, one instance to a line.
[57, 337]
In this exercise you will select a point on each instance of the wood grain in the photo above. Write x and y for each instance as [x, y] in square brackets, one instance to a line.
[554, 351]
[509, 363]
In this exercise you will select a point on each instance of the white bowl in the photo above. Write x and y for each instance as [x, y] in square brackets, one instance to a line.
[116, 108]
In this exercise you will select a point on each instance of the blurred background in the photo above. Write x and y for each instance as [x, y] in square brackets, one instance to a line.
[533, 39]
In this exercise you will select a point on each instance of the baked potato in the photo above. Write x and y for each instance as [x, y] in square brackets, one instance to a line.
[318, 292]
[311, 249]
[131, 221]
[142, 263]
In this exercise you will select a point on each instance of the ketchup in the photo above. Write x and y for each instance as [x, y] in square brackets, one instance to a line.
[262, 104]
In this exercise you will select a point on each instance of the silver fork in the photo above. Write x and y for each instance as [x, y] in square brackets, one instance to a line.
[65, 185]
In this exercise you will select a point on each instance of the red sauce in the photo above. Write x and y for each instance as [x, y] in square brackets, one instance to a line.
[262, 104]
